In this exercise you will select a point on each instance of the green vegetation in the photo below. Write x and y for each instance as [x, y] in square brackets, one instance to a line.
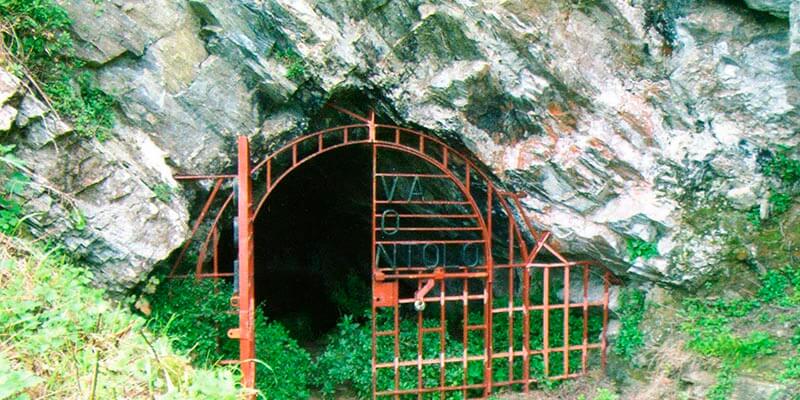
[725, 330]
[631, 313]
[14, 182]
[295, 65]
[783, 167]
[197, 314]
[640, 248]
[786, 173]
[163, 192]
[38, 48]
[59, 338]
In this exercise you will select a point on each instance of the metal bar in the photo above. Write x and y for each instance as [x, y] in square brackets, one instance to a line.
[443, 326]
[433, 216]
[411, 175]
[246, 294]
[489, 293]
[465, 333]
[500, 356]
[443, 241]
[566, 319]
[435, 229]
[510, 310]
[197, 223]
[526, 322]
[202, 177]
[584, 353]
[215, 260]
[604, 340]
[546, 321]
[373, 263]
[420, 325]
[437, 299]
[429, 202]
[551, 307]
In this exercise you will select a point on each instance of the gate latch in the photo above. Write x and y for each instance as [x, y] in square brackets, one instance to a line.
[419, 295]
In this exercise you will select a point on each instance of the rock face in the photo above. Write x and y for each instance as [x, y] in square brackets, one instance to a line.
[605, 124]
[96, 198]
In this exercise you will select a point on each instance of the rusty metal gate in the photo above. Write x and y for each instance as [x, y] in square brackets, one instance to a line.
[467, 296]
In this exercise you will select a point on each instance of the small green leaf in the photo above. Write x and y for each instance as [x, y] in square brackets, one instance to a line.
[16, 183]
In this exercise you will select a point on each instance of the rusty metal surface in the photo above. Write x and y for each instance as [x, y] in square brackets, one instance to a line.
[438, 267]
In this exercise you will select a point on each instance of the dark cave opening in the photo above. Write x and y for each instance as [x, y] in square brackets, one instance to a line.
[312, 244]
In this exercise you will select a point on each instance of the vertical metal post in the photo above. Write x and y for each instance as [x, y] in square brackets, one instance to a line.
[246, 292]
[374, 266]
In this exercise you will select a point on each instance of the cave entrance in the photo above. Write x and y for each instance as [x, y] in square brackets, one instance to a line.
[465, 296]
[311, 245]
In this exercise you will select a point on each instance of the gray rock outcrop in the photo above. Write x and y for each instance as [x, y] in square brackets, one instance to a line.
[613, 131]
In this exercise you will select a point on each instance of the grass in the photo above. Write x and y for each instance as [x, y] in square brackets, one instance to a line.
[60, 338]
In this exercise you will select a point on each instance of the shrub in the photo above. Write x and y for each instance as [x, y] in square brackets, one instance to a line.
[346, 360]
[196, 314]
[639, 248]
[631, 313]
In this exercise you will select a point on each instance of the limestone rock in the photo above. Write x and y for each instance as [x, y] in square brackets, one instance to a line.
[30, 109]
[9, 86]
[612, 133]
[794, 37]
[751, 389]
[778, 8]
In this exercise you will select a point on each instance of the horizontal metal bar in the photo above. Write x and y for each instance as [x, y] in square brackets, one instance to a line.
[444, 241]
[551, 350]
[433, 361]
[431, 229]
[410, 175]
[202, 177]
[535, 380]
[416, 269]
[446, 275]
[439, 298]
[432, 216]
[555, 306]
[431, 390]
[426, 202]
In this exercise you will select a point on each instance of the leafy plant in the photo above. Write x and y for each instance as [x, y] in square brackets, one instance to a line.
[631, 313]
[295, 65]
[196, 314]
[14, 382]
[640, 248]
[783, 167]
[163, 192]
[36, 39]
[346, 360]
[779, 203]
[54, 323]
[15, 182]
[285, 372]
[724, 385]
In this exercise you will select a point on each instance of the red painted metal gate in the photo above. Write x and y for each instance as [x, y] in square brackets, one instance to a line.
[467, 296]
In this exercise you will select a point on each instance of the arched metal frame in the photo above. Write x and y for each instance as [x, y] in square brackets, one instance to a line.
[385, 281]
